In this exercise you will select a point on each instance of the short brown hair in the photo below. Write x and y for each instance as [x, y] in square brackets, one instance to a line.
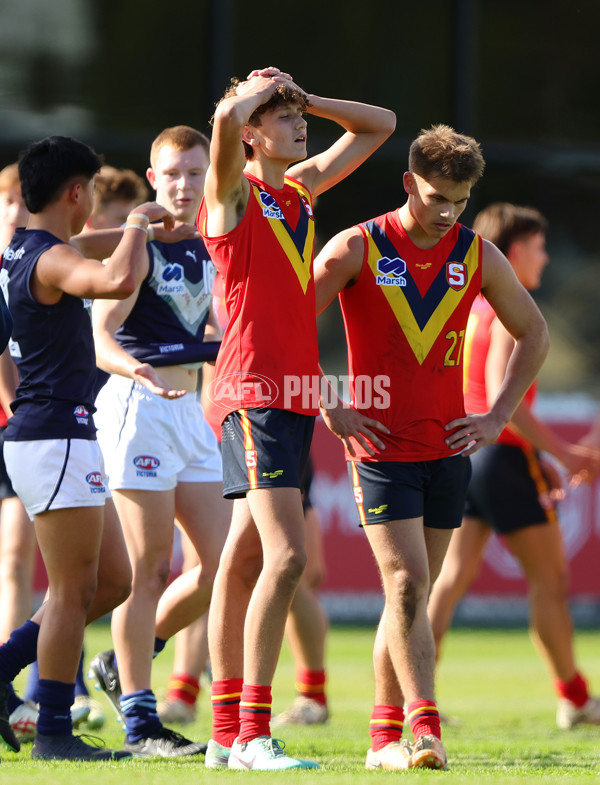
[9, 177]
[442, 152]
[119, 184]
[283, 95]
[181, 137]
[503, 223]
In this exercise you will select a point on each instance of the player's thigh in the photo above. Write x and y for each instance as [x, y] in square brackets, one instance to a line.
[204, 515]
[147, 519]
[540, 550]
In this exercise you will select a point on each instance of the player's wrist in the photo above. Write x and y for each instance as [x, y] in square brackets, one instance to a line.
[138, 221]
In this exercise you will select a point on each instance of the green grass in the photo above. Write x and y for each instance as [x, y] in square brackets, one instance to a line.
[491, 680]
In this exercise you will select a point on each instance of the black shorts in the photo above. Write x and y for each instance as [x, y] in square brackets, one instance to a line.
[387, 491]
[6, 489]
[505, 489]
[264, 448]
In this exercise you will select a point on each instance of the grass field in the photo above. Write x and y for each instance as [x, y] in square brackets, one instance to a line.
[490, 680]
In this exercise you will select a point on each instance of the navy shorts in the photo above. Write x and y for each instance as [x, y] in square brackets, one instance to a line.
[264, 448]
[6, 489]
[387, 491]
[505, 488]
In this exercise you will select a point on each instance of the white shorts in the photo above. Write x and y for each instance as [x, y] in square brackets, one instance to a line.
[53, 474]
[152, 443]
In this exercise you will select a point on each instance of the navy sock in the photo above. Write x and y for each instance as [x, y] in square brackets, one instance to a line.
[56, 699]
[12, 701]
[141, 718]
[19, 650]
[80, 685]
[159, 645]
[33, 683]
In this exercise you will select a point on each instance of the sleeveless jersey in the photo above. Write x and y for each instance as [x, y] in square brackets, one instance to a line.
[52, 347]
[405, 321]
[269, 354]
[477, 346]
[166, 325]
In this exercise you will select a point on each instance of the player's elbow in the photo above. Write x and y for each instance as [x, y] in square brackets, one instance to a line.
[388, 122]
[123, 286]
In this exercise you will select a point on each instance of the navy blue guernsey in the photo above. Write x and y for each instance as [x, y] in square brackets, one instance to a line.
[53, 349]
[166, 325]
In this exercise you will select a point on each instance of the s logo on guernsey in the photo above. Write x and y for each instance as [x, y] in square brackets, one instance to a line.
[146, 465]
[94, 480]
[391, 272]
[81, 414]
[456, 275]
[270, 207]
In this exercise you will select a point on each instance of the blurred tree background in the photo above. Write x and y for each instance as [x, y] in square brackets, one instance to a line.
[519, 75]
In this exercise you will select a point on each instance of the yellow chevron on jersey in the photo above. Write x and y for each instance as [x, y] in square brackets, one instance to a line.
[297, 244]
[422, 318]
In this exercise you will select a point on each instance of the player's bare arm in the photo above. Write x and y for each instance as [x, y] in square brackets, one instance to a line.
[62, 269]
[521, 317]
[101, 243]
[107, 317]
[578, 460]
[337, 266]
[367, 127]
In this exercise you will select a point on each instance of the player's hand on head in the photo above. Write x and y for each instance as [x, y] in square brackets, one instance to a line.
[270, 71]
[151, 379]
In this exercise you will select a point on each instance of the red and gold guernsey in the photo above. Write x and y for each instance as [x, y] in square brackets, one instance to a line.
[405, 321]
[269, 353]
[477, 346]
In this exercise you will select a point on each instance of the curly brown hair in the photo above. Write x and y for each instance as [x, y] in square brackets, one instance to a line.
[283, 95]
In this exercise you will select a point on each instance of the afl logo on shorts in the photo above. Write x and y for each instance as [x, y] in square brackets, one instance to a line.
[146, 465]
[270, 207]
[456, 275]
[94, 480]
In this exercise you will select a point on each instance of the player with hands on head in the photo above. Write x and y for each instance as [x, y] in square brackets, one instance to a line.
[258, 225]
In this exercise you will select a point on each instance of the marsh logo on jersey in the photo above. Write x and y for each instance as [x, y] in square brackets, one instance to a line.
[146, 465]
[94, 480]
[172, 280]
[456, 275]
[10, 255]
[391, 272]
[81, 414]
[270, 207]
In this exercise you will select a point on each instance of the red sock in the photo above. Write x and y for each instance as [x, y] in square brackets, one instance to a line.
[386, 725]
[255, 712]
[424, 717]
[575, 690]
[183, 687]
[311, 684]
[225, 696]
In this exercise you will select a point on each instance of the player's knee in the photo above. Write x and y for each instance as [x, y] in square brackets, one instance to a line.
[409, 591]
[291, 564]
